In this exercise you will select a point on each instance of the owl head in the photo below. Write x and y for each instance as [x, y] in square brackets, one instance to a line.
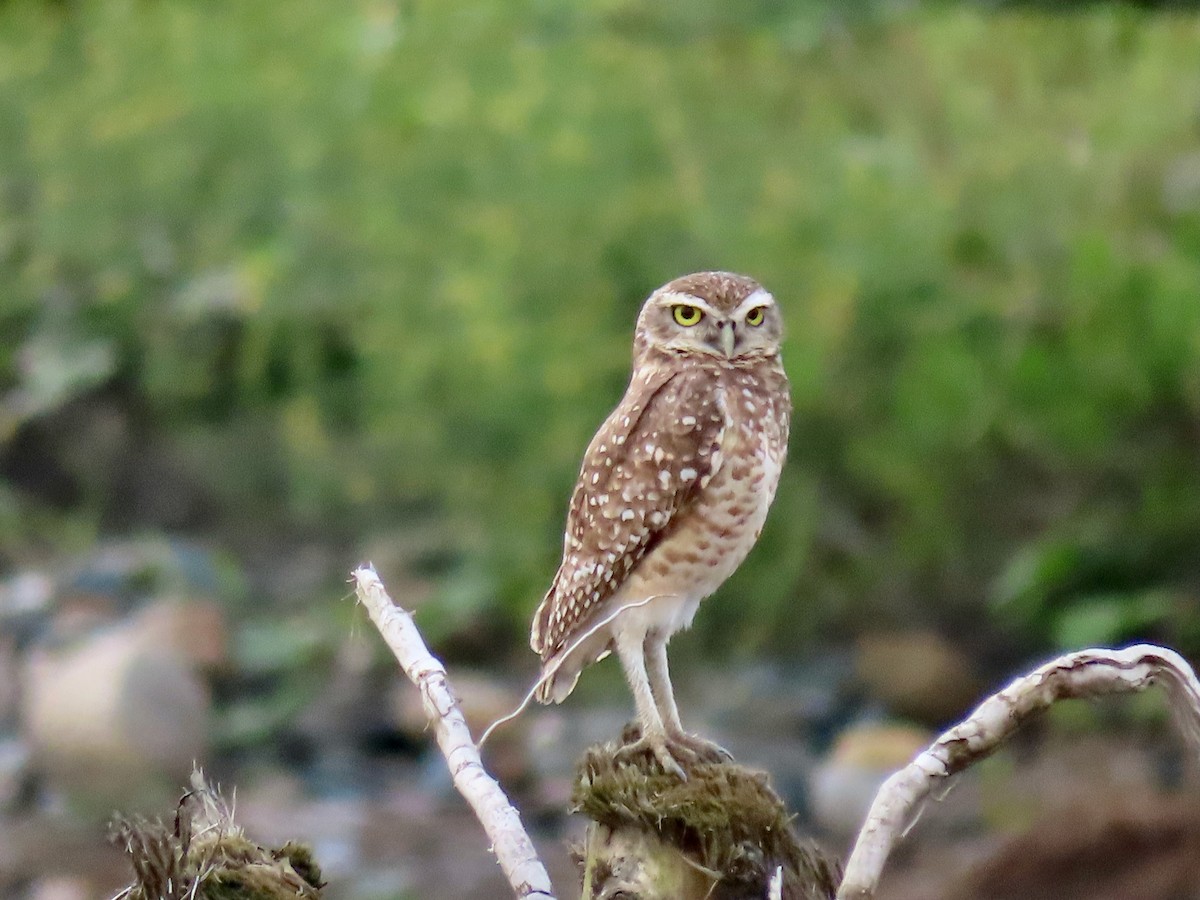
[715, 315]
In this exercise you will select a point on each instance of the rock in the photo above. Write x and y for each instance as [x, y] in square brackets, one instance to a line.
[348, 707]
[844, 783]
[918, 674]
[1063, 772]
[195, 629]
[118, 715]
[122, 575]
[10, 684]
[1102, 850]
[24, 596]
[61, 887]
[14, 771]
[767, 699]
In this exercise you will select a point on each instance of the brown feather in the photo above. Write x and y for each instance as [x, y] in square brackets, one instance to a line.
[635, 481]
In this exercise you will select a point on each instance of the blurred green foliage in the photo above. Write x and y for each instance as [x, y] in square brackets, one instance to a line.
[369, 267]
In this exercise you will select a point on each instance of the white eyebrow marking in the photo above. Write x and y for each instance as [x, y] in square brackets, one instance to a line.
[761, 297]
[671, 298]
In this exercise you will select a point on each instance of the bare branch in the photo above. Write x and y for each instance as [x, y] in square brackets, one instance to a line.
[775, 885]
[1085, 674]
[499, 818]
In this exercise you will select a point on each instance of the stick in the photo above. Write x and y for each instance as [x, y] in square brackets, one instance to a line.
[775, 885]
[510, 843]
[1087, 673]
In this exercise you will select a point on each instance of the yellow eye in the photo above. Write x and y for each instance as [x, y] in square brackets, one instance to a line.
[687, 315]
[755, 316]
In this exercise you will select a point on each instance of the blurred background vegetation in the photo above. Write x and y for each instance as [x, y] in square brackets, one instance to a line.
[289, 285]
[362, 276]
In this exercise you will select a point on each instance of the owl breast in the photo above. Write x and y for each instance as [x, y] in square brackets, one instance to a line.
[728, 516]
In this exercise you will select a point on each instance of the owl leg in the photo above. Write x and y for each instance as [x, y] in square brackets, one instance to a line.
[631, 652]
[664, 695]
[660, 684]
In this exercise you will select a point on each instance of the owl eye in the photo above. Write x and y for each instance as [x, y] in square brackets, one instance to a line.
[687, 315]
[755, 316]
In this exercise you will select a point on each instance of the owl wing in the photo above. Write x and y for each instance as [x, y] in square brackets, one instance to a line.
[646, 465]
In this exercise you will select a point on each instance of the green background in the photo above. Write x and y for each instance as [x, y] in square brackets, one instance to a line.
[363, 275]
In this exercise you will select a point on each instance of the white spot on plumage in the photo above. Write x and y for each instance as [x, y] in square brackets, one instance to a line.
[626, 515]
[688, 474]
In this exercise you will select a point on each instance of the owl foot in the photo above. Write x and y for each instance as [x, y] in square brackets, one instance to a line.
[697, 748]
[657, 747]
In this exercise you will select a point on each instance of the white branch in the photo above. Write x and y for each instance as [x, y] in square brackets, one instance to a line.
[1088, 673]
[775, 885]
[500, 820]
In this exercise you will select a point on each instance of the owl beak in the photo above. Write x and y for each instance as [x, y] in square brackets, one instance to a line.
[727, 338]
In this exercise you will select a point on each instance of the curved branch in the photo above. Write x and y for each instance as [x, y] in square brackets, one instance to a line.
[1087, 673]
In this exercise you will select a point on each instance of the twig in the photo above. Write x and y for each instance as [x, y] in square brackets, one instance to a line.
[775, 885]
[1087, 673]
[499, 818]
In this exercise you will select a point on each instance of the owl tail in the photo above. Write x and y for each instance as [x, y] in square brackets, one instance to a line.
[556, 682]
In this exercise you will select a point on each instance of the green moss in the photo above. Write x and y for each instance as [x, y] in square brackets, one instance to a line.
[725, 818]
[205, 856]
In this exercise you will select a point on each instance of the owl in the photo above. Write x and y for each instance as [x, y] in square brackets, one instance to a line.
[672, 494]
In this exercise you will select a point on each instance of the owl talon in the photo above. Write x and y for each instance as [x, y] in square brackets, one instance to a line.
[698, 749]
[683, 751]
[669, 763]
[657, 749]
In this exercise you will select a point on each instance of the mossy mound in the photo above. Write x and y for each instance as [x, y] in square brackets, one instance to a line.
[724, 818]
[205, 856]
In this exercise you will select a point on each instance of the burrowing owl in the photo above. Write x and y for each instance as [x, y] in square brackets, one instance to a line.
[672, 494]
